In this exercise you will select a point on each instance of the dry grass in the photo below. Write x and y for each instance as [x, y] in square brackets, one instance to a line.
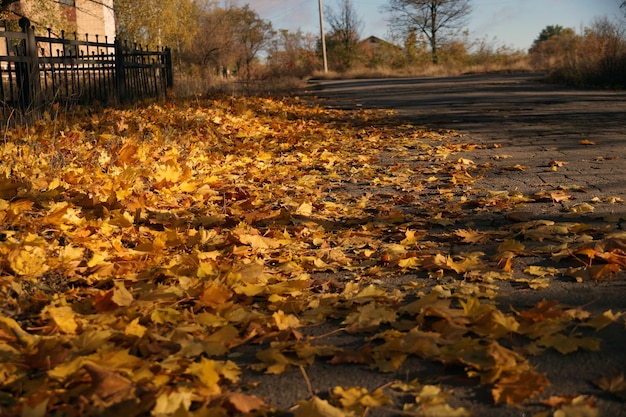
[186, 85]
[520, 64]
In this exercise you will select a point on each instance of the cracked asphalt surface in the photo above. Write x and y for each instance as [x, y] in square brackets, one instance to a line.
[524, 123]
[535, 122]
[531, 125]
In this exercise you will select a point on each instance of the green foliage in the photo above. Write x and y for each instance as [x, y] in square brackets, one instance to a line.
[555, 33]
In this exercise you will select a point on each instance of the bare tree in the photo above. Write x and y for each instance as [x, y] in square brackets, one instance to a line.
[231, 39]
[293, 54]
[252, 34]
[435, 19]
[345, 34]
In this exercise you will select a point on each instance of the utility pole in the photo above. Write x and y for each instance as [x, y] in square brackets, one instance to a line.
[323, 36]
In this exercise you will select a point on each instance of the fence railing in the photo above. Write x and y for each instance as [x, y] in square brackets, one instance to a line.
[38, 71]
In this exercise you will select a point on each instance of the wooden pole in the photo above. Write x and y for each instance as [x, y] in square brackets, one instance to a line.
[323, 36]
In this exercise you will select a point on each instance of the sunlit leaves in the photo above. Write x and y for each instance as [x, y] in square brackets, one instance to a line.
[144, 253]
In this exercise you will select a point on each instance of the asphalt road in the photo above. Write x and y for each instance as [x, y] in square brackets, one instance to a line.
[535, 122]
[528, 123]
[524, 122]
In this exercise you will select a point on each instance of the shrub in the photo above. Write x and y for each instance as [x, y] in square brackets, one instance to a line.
[597, 57]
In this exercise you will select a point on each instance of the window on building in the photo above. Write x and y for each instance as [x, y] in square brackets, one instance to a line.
[68, 2]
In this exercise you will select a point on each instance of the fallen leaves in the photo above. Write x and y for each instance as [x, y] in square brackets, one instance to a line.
[147, 253]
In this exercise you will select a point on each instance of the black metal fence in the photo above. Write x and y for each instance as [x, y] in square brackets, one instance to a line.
[38, 71]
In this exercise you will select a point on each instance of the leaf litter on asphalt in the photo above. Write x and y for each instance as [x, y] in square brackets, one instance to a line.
[143, 248]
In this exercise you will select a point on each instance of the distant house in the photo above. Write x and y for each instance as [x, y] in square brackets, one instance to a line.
[373, 46]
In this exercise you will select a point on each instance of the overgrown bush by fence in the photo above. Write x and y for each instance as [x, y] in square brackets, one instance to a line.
[38, 71]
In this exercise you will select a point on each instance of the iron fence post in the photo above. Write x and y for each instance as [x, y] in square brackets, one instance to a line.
[29, 82]
[169, 73]
[120, 75]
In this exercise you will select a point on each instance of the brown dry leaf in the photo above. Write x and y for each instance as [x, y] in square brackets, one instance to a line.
[243, 403]
[587, 142]
[581, 406]
[569, 344]
[516, 167]
[560, 195]
[519, 387]
[594, 272]
[108, 385]
[555, 163]
[472, 236]
[353, 356]
[613, 383]
[581, 208]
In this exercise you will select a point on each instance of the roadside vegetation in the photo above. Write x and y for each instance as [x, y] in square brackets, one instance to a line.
[226, 47]
[276, 61]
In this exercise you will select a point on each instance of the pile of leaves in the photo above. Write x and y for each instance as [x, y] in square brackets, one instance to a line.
[144, 251]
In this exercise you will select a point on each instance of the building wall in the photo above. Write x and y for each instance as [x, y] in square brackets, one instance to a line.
[95, 19]
[84, 16]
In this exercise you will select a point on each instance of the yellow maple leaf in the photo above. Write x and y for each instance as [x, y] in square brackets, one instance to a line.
[172, 402]
[285, 321]
[568, 344]
[371, 315]
[305, 209]
[28, 261]
[258, 242]
[63, 317]
[600, 321]
[472, 236]
[121, 296]
[358, 399]
[205, 372]
[317, 407]
[135, 329]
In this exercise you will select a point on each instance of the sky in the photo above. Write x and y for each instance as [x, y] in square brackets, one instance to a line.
[511, 23]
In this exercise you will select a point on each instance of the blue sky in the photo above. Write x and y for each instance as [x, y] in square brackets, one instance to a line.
[514, 23]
